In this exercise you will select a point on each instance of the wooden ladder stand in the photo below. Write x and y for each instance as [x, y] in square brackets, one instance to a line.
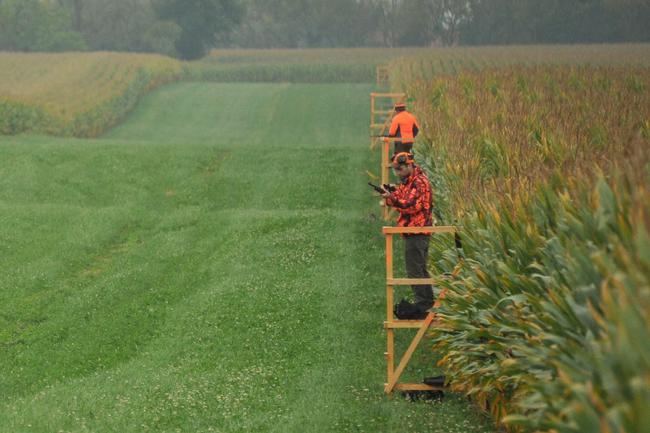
[379, 126]
[391, 323]
[380, 119]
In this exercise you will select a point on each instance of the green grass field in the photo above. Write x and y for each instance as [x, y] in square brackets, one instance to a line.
[213, 264]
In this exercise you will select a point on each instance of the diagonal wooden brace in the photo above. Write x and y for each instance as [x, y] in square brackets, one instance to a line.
[426, 323]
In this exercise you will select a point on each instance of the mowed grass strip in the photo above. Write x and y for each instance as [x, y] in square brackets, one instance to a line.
[212, 265]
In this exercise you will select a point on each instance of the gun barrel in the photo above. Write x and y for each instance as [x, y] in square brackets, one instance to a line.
[377, 188]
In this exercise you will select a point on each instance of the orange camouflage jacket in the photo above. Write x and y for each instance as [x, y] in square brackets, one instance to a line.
[413, 200]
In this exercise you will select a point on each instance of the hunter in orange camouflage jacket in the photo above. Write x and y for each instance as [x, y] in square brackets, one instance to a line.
[413, 200]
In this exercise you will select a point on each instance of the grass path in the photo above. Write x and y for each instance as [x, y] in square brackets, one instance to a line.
[211, 265]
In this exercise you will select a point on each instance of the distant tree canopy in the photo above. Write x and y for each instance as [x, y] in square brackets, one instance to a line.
[32, 25]
[188, 28]
[557, 21]
[203, 23]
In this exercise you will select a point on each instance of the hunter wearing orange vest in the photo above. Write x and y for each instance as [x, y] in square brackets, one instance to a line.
[405, 126]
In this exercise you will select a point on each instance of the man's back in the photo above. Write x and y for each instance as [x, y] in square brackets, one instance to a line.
[404, 125]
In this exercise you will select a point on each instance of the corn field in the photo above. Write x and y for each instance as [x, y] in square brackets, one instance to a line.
[358, 64]
[423, 64]
[84, 94]
[546, 169]
[355, 65]
[75, 94]
[506, 131]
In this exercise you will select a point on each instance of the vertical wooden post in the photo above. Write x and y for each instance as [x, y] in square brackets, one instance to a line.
[385, 171]
[372, 118]
[390, 337]
[389, 276]
[385, 162]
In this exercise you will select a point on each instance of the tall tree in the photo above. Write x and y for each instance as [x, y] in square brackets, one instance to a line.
[557, 21]
[203, 23]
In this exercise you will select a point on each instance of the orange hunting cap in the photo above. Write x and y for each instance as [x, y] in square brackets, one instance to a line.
[403, 158]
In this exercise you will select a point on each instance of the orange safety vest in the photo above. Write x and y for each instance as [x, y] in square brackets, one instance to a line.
[404, 125]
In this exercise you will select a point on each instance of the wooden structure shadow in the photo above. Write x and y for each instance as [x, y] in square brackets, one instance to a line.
[391, 324]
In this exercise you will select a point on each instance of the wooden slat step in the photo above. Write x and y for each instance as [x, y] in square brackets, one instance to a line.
[389, 139]
[417, 387]
[387, 95]
[405, 324]
[411, 281]
[430, 229]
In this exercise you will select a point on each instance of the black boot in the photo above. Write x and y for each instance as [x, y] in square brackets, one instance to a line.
[407, 311]
[437, 381]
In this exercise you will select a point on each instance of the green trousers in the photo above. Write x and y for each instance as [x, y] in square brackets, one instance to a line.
[416, 251]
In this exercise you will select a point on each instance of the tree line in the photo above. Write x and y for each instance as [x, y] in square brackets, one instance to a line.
[189, 28]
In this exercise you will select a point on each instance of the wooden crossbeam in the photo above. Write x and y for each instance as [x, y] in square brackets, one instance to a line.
[424, 230]
[412, 281]
[389, 139]
[404, 324]
[388, 95]
[416, 387]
